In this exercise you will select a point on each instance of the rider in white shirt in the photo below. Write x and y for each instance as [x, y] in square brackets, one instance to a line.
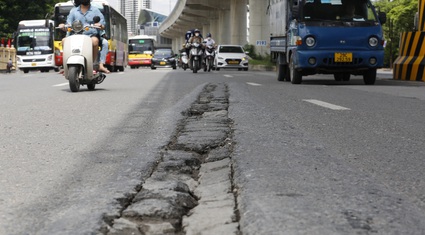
[209, 41]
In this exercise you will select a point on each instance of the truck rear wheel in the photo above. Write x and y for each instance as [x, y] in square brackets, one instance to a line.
[295, 76]
[282, 72]
[369, 77]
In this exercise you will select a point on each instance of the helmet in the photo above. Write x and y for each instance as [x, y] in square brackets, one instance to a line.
[208, 35]
[85, 2]
[196, 31]
[77, 3]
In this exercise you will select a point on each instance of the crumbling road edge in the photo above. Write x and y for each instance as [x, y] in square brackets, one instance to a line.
[191, 190]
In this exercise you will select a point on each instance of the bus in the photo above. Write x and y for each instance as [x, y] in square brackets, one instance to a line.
[34, 45]
[115, 28]
[140, 50]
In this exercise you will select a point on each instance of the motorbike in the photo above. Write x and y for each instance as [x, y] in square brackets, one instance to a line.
[209, 58]
[195, 59]
[184, 61]
[79, 69]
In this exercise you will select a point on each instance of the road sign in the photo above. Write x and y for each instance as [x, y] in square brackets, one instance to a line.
[261, 43]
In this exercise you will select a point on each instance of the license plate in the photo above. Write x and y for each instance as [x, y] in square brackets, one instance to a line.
[162, 63]
[343, 57]
[233, 62]
[34, 64]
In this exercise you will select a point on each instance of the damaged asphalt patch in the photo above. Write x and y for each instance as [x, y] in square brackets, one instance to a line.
[191, 189]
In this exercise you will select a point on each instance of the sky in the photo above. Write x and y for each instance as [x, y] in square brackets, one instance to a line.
[161, 6]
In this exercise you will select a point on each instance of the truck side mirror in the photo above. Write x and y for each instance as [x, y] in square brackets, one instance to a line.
[382, 17]
[295, 9]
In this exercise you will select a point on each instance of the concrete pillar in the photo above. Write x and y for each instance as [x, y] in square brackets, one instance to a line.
[206, 29]
[259, 26]
[214, 29]
[224, 27]
[238, 21]
[174, 45]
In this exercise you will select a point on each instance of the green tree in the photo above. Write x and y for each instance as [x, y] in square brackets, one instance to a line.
[400, 18]
[11, 12]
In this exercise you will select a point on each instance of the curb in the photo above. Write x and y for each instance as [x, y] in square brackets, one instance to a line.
[260, 67]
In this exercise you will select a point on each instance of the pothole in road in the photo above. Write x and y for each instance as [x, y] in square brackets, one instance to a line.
[191, 189]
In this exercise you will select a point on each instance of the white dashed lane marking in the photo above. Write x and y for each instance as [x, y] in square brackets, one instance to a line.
[62, 84]
[253, 84]
[326, 105]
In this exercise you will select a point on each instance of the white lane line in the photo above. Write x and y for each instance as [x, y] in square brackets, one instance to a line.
[228, 76]
[62, 84]
[326, 105]
[253, 84]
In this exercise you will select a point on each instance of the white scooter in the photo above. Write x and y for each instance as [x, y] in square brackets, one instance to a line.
[78, 58]
[185, 61]
[209, 58]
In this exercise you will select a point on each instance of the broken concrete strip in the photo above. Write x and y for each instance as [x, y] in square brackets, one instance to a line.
[190, 191]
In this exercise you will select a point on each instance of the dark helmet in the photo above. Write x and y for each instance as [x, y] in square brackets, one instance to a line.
[196, 31]
[208, 35]
[85, 2]
[77, 3]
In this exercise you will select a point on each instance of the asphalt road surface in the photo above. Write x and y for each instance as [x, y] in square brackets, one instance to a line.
[323, 157]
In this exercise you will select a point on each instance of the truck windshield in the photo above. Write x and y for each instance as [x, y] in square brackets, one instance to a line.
[34, 41]
[338, 10]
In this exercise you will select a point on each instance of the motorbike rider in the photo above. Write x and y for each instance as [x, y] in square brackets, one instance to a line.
[196, 38]
[209, 42]
[187, 36]
[85, 13]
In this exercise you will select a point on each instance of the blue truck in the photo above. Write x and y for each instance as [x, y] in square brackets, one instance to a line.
[339, 37]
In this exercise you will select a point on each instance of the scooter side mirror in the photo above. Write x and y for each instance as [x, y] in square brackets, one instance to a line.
[96, 19]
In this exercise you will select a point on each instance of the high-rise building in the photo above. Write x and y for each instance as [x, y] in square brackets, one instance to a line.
[131, 9]
[146, 4]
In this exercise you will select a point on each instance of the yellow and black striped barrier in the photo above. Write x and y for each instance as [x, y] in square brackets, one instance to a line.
[410, 64]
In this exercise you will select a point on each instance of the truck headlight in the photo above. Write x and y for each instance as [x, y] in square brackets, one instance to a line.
[310, 41]
[373, 41]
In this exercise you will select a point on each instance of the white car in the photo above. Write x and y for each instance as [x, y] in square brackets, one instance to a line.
[231, 56]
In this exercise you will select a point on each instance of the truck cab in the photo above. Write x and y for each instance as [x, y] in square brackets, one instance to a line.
[339, 37]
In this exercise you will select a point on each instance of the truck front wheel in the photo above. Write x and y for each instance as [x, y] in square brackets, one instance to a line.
[369, 77]
[295, 76]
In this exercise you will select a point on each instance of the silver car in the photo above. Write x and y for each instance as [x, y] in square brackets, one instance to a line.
[231, 56]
